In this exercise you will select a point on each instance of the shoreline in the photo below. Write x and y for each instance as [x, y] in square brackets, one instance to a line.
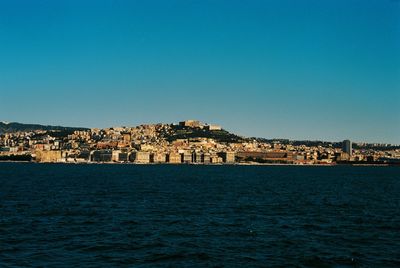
[209, 164]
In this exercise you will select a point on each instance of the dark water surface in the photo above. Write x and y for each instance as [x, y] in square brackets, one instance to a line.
[207, 216]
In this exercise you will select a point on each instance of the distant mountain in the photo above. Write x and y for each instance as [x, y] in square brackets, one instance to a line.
[6, 127]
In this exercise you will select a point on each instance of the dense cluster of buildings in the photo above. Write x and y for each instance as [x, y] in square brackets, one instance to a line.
[156, 144]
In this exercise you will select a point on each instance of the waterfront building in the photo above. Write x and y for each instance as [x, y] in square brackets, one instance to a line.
[347, 147]
[123, 157]
[158, 157]
[115, 155]
[48, 156]
[206, 158]
[102, 156]
[215, 159]
[187, 157]
[174, 158]
[140, 157]
[227, 157]
[198, 157]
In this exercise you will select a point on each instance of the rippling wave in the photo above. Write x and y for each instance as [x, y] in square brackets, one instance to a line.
[212, 216]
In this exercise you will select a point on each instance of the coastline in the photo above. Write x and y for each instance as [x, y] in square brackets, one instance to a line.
[209, 164]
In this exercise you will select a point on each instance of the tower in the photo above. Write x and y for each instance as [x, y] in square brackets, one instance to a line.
[346, 147]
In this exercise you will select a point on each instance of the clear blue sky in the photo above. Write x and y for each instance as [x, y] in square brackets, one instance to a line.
[306, 69]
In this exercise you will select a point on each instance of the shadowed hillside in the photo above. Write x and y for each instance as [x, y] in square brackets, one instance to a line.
[16, 127]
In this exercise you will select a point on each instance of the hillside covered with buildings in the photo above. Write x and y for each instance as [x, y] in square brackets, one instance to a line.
[189, 141]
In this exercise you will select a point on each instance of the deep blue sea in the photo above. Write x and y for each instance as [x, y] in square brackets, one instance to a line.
[56, 215]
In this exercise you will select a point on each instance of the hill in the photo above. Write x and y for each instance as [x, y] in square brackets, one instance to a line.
[181, 132]
[19, 127]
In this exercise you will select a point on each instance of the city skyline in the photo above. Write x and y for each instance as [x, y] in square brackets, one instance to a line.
[208, 124]
[189, 142]
[321, 71]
